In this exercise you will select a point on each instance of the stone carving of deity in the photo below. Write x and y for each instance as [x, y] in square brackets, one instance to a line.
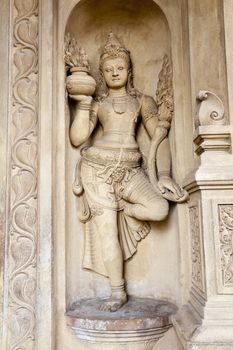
[118, 198]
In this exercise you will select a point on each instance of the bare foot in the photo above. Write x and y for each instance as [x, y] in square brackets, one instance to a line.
[113, 303]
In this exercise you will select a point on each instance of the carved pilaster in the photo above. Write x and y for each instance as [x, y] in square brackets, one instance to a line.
[224, 251]
[23, 125]
[198, 288]
[196, 246]
[206, 321]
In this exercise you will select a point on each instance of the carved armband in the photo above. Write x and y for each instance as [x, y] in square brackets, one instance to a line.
[163, 174]
[149, 109]
[164, 124]
[148, 115]
[85, 106]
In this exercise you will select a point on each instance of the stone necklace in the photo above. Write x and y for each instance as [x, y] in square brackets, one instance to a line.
[120, 103]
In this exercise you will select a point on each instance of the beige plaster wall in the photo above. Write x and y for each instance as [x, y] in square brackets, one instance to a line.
[207, 49]
[228, 19]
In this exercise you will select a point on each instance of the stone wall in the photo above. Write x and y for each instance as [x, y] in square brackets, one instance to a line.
[188, 259]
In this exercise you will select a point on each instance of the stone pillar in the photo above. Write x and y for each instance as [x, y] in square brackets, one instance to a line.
[4, 83]
[208, 318]
[26, 173]
[206, 322]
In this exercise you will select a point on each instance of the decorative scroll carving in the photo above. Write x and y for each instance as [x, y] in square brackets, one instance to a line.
[23, 177]
[226, 243]
[212, 134]
[197, 274]
[211, 109]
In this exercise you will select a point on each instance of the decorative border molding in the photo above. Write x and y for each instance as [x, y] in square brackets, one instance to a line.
[23, 173]
[222, 209]
[225, 261]
[196, 247]
[212, 139]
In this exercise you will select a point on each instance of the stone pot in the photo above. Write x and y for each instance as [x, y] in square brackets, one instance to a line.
[80, 82]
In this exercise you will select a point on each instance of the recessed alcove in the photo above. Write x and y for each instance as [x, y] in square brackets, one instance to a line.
[142, 27]
[186, 259]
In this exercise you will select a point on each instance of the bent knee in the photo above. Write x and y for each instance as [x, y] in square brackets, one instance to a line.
[159, 210]
[156, 210]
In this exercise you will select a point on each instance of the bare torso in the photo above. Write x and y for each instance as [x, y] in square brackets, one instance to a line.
[119, 118]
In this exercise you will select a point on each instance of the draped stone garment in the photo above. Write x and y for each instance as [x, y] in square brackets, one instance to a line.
[110, 177]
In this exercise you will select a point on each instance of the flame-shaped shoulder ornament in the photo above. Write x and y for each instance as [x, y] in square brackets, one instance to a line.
[165, 103]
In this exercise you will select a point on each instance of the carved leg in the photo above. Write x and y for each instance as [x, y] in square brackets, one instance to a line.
[144, 203]
[117, 299]
[113, 259]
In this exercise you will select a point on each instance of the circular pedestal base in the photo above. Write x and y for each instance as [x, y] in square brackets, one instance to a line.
[140, 320]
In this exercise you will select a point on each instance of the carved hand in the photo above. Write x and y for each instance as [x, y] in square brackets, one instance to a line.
[82, 98]
[167, 185]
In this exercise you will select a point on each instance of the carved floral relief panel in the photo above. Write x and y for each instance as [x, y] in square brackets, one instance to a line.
[196, 248]
[225, 246]
[23, 125]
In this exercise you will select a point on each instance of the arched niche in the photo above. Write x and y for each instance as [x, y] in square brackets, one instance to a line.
[143, 28]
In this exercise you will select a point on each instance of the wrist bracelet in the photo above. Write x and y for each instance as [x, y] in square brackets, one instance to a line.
[164, 124]
[163, 174]
[84, 106]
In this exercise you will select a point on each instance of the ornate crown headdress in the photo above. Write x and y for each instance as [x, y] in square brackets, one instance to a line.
[114, 48]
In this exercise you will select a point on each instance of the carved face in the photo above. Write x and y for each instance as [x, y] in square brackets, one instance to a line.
[115, 72]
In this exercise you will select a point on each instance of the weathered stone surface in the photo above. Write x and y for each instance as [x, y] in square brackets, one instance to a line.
[138, 320]
[190, 252]
[119, 186]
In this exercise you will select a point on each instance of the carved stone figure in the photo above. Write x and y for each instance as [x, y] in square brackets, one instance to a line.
[117, 197]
